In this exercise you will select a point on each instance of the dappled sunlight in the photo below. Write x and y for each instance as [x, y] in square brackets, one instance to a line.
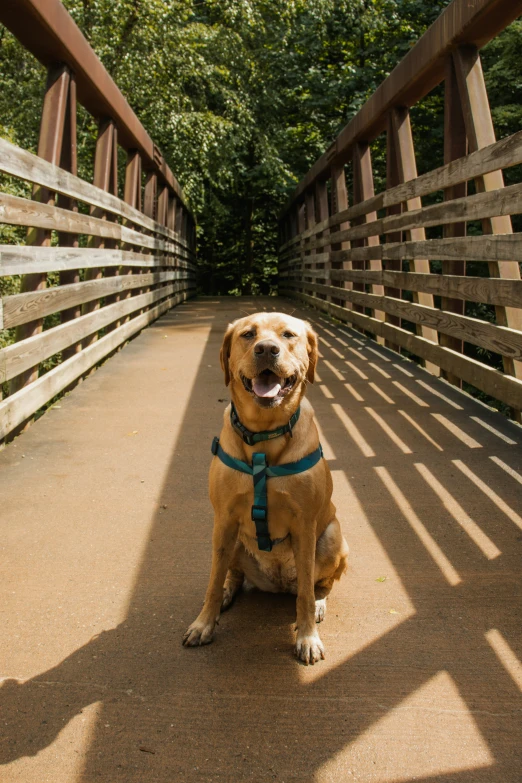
[457, 431]
[443, 562]
[423, 432]
[379, 370]
[489, 493]
[411, 395]
[494, 430]
[484, 543]
[390, 432]
[355, 369]
[381, 393]
[412, 733]
[326, 391]
[353, 431]
[506, 656]
[438, 393]
[513, 473]
[354, 392]
[415, 683]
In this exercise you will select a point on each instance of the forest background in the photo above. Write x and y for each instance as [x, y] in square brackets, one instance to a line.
[243, 95]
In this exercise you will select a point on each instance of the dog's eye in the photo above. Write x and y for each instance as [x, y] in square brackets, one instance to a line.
[288, 335]
[248, 335]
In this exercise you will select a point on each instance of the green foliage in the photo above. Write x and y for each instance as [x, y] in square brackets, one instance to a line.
[243, 95]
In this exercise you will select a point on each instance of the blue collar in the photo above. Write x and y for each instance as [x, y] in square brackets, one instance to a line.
[260, 471]
[251, 438]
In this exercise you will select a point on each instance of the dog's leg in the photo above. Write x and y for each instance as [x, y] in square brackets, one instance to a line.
[233, 583]
[320, 609]
[202, 629]
[309, 647]
[330, 564]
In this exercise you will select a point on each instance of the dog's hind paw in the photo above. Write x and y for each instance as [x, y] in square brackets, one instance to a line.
[198, 634]
[320, 610]
[228, 599]
[309, 649]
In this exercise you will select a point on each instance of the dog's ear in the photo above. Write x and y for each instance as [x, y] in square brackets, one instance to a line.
[313, 353]
[224, 355]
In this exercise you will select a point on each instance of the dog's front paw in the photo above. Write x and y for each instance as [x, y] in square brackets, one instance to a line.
[198, 633]
[309, 649]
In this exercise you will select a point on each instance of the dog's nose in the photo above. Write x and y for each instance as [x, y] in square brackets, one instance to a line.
[266, 347]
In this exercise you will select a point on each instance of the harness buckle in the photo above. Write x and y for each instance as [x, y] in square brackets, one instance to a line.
[258, 513]
[215, 446]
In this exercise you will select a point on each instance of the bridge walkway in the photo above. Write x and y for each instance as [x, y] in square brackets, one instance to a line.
[105, 541]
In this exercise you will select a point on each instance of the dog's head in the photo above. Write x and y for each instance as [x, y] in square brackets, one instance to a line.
[269, 357]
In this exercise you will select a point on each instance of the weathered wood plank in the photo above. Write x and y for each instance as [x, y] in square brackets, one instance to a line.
[488, 247]
[17, 357]
[487, 290]
[20, 406]
[499, 386]
[22, 259]
[20, 308]
[18, 211]
[503, 154]
[505, 201]
[422, 68]
[20, 163]
[500, 339]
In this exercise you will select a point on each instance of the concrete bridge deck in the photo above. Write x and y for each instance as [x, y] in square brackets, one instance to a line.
[105, 531]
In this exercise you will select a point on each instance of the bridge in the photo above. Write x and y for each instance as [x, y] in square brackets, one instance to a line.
[105, 519]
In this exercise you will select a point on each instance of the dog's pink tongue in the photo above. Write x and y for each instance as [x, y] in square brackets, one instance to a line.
[266, 385]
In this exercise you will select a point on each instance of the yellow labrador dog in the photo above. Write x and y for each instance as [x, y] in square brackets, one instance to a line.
[275, 525]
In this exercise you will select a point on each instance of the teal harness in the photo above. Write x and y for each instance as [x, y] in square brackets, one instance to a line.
[260, 472]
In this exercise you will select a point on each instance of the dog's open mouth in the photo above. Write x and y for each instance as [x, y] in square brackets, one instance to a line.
[268, 385]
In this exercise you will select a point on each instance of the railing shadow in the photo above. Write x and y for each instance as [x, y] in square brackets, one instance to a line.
[243, 708]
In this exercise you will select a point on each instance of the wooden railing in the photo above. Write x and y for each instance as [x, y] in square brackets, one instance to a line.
[116, 263]
[348, 260]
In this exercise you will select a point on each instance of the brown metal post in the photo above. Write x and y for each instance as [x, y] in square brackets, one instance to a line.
[151, 187]
[50, 148]
[321, 213]
[455, 146]
[69, 162]
[301, 226]
[113, 271]
[392, 179]
[104, 178]
[150, 207]
[480, 133]
[309, 259]
[407, 170]
[132, 195]
[363, 190]
[339, 204]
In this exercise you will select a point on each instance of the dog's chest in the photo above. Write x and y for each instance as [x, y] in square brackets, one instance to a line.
[274, 571]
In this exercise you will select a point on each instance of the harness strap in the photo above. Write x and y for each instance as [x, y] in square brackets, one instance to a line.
[251, 438]
[260, 471]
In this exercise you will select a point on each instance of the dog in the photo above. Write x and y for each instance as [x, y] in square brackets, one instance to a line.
[289, 539]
